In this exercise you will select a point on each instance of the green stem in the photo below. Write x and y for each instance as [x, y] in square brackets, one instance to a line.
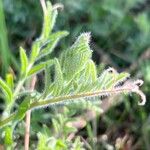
[43, 103]
[17, 90]
[21, 82]
[77, 96]
[7, 120]
[19, 86]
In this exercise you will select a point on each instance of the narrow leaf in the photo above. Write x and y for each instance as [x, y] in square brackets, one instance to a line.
[54, 16]
[6, 90]
[47, 81]
[35, 50]
[49, 45]
[24, 61]
[9, 80]
[24, 106]
[42, 140]
[76, 57]
[38, 68]
[58, 73]
[90, 72]
[8, 136]
[58, 81]
[47, 25]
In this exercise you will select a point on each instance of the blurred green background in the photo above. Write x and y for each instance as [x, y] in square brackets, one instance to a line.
[120, 38]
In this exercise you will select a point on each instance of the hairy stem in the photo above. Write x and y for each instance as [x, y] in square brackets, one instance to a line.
[19, 86]
[7, 120]
[42, 103]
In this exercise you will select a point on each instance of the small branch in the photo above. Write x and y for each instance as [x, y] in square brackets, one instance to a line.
[28, 118]
[7, 120]
[128, 87]
[19, 86]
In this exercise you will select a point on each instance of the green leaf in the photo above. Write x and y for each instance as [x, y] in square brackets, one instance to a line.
[35, 50]
[78, 145]
[51, 43]
[8, 136]
[39, 67]
[6, 90]
[24, 106]
[60, 144]
[54, 16]
[90, 72]
[24, 61]
[47, 81]
[89, 76]
[58, 73]
[42, 140]
[110, 78]
[9, 80]
[107, 78]
[121, 77]
[76, 57]
[47, 25]
[58, 81]
[115, 79]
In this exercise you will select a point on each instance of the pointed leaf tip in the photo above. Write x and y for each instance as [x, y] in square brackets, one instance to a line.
[86, 37]
[24, 61]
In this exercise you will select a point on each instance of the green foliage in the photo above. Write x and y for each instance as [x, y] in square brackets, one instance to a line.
[24, 106]
[6, 90]
[39, 67]
[8, 136]
[51, 42]
[70, 77]
[50, 143]
[24, 61]
[61, 128]
[10, 80]
[74, 59]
